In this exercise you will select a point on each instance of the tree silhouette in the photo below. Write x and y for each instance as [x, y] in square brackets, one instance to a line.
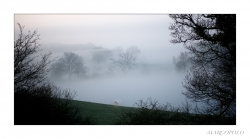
[211, 43]
[181, 63]
[126, 60]
[101, 56]
[28, 72]
[36, 100]
[70, 63]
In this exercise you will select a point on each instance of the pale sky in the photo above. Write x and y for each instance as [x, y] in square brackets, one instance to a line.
[149, 32]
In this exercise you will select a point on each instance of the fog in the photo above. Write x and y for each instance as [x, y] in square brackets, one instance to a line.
[160, 82]
[154, 77]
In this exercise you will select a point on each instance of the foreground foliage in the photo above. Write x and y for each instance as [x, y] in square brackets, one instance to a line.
[28, 71]
[210, 41]
[37, 101]
[47, 105]
[151, 113]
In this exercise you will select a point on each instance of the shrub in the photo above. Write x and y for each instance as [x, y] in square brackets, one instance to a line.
[47, 105]
[151, 113]
[148, 113]
[36, 101]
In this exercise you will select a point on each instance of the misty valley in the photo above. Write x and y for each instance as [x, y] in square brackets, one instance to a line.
[104, 83]
[124, 69]
[127, 89]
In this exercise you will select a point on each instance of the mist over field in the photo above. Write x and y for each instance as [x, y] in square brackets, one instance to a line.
[128, 89]
[156, 79]
[108, 36]
[165, 69]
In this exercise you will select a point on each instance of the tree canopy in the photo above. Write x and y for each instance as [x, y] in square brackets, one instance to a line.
[69, 64]
[181, 63]
[126, 60]
[28, 72]
[101, 56]
[211, 43]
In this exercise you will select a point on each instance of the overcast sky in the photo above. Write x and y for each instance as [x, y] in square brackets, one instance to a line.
[149, 32]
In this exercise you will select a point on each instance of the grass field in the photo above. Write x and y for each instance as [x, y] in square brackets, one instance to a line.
[102, 114]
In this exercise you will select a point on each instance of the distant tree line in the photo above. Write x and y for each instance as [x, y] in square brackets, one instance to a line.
[70, 63]
[182, 62]
[126, 61]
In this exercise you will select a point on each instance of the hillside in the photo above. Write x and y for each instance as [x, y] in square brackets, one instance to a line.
[102, 114]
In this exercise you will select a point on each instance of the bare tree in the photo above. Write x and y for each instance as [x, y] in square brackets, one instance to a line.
[211, 44]
[70, 63]
[126, 60]
[101, 56]
[28, 72]
[181, 63]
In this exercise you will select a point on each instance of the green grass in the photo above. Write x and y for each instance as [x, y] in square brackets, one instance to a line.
[102, 114]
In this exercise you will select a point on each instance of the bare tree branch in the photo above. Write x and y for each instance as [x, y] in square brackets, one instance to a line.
[211, 44]
[27, 72]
